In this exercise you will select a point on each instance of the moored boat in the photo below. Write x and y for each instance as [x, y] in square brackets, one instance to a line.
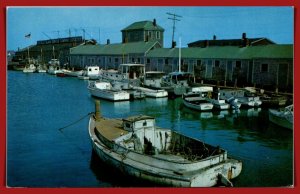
[137, 147]
[283, 117]
[246, 98]
[127, 75]
[152, 93]
[105, 90]
[176, 83]
[71, 73]
[31, 68]
[196, 100]
[273, 100]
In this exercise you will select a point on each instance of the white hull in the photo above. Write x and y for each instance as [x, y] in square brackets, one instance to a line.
[41, 71]
[109, 94]
[195, 104]
[28, 71]
[172, 170]
[54, 72]
[153, 93]
[220, 104]
[73, 73]
[83, 77]
[280, 118]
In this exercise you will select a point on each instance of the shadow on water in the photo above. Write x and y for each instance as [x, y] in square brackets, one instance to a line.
[112, 177]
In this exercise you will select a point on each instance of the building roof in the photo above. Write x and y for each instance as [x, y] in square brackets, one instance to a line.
[230, 42]
[114, 49]
[144, 25]
[226, 52]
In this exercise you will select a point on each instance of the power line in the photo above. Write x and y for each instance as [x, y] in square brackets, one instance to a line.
[174, 18]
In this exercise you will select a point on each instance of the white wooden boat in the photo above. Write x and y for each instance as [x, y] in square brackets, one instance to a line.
[126, 76]
[137, 147]
[211, 96]
[246, 99]
[153, 79]
[53, 70]
[104, 90]
[219, 104]
[283, 118]
[152, 93]
[176, 83]
[197, 101]
[41, 68]
[273, 100]
[72, 73]
[31, 68]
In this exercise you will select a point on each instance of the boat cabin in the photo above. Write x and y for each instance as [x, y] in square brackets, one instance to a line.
[92, 70]
[54, 62]
[178, 78]
[153, 78]
[132, 71]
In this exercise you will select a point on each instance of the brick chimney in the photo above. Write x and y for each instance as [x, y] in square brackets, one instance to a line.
[154, 22]
[245, 40]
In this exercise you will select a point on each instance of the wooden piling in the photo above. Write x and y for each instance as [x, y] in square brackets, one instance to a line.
[97, 109]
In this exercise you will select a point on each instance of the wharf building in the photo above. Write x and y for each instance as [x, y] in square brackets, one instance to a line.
[45, 50]
[243, 62]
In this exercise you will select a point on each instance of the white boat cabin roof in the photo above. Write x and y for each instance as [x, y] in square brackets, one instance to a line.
[155, 72]
[137, 118]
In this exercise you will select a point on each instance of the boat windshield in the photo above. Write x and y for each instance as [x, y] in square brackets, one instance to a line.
[155, 75]
[181, 77]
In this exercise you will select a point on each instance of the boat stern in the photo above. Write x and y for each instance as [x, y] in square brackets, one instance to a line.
[219, 174]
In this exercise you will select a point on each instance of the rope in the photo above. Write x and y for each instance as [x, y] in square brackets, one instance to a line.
[60, 129]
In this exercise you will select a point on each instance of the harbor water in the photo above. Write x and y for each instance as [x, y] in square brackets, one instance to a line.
[48, 143]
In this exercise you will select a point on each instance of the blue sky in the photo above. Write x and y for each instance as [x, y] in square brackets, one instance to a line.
[197, 23]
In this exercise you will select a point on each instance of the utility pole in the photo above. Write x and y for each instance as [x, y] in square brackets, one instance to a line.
[174, 18]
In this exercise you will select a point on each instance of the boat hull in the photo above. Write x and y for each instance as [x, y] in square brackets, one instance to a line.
[73, 73]
[280, 120]
[201, 107]
[109, 95]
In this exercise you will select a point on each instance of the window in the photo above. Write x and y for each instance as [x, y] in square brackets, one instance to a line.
[109, 60]
[238, 64]
[198, 62]
[157, 35]
[264, 67]
[148, 61]
[116, 60]
[166, 61]
[217, 63]
[149, 34]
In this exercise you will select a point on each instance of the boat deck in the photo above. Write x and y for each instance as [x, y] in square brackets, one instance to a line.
[110, 128]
